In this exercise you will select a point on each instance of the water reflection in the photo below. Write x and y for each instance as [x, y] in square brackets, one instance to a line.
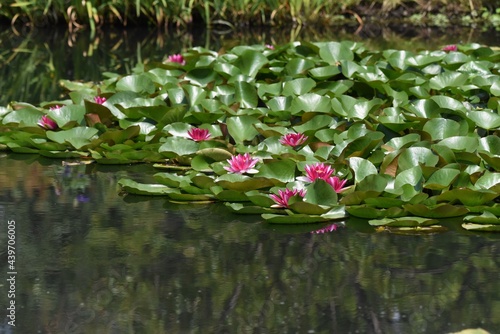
[109, 264]
[33, 62]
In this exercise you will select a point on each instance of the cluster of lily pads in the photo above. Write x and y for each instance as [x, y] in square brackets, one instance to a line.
[299, 133]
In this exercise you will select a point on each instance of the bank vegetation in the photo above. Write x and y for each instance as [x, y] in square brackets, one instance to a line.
[92, 14]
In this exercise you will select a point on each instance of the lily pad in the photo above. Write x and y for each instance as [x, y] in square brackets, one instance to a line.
[136, 188]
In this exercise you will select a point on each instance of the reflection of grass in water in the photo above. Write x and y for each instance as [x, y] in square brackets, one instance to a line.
[31, 66]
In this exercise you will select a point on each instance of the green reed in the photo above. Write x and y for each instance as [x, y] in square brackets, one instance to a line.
[94, 13]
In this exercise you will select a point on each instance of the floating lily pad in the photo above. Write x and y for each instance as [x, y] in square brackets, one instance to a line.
[436, 211]
[481, 227]
[292, 219]
[136, 188]
[403, 222]
[243, 208]
[486, 218]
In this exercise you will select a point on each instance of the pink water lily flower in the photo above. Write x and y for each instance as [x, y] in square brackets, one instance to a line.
[57, 107]
[322, 171]
[242, 163]
[46, 123]
[99, 99]
[451, 47]
[316, 171]
[197, 134]
[293, 139]
[270, 46]
[284, 196]
[336, 183]
[177, 58]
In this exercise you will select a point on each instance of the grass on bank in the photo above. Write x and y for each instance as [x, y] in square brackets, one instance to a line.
[91, 13]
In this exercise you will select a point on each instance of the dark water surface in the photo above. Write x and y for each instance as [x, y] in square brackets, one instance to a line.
[91, 261]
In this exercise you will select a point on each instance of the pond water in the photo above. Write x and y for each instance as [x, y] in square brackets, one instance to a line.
[89, 260]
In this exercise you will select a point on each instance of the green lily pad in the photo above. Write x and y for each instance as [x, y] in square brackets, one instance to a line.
[176, 146]
[468, 197]
[176, 196]
[77, 137]
[133, 187]
[229, 195]
[372, 212]
[292, 219]
[321, 193]
[243, 182]
[436, 211]
[481, 227]
[242, 208]
[403, 222]
[308, 208]
[485, 218]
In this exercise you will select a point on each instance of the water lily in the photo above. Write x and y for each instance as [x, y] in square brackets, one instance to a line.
[336, 183]
[284, 196]
[46, 123]
[451, 47]
[99, 99]
[57, 107]
[177, 58]
[322, 171]
[197, 134]
[316, 171]
[242, 163]
[293, 139]
[270, 46]
[327, 229]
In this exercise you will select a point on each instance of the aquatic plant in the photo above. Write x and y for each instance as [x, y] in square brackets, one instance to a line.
[177, 58]
[316, 171]
[242, 163]
[336, 183]
[198, 134]
[451, 47]
[395, 137]
[99, 99]
[283, 196]
[293, 139]
[46, 123]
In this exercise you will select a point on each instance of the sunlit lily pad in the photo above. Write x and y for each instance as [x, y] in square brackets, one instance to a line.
[485, 218]
[136, 188]
[481, 227]
[419, 230]
[403, 222]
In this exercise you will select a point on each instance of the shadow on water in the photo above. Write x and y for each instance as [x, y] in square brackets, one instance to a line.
[33, 62]
[91, 261]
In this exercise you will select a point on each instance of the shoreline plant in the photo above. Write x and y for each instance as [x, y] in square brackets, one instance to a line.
[322, 130]
[229, 14]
